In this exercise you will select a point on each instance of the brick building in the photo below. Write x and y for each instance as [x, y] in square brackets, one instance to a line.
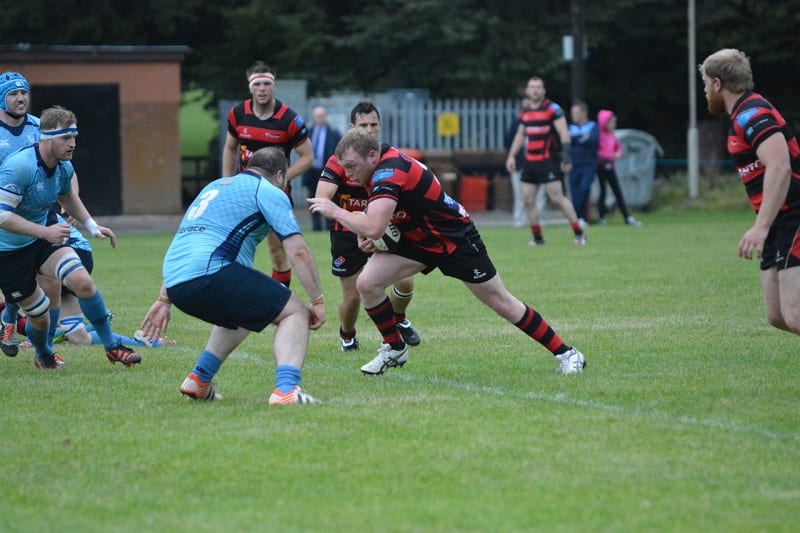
[127, 100]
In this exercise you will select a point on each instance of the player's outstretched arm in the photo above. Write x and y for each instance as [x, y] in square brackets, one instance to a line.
[13, 223]
[73, 205]
[370, 225]
[306, 270]
[157, 318]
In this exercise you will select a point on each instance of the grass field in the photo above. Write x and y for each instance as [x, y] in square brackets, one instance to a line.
[686, 418]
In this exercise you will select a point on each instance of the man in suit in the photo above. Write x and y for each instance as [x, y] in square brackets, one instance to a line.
[324, 139]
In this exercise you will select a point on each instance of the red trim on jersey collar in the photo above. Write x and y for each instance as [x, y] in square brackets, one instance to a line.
[278, 112]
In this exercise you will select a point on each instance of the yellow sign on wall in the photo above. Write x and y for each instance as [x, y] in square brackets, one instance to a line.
[448, 124]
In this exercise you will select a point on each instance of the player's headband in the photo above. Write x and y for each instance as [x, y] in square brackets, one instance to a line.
[52, 134]
[260, 76]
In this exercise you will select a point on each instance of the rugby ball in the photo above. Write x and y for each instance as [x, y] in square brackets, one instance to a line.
[390, 241]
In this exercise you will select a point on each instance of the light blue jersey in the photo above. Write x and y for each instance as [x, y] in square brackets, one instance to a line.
[13, 138]
[224, 224]
[28, 189]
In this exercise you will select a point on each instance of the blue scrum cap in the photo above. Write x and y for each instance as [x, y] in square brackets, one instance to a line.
[10, 82]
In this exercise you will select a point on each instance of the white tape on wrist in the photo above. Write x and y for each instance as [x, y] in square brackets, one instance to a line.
[91, 227]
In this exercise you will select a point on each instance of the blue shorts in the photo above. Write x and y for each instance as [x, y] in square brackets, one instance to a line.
[234, 297]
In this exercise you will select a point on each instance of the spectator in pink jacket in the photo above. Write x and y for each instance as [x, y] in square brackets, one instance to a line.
[608, 151]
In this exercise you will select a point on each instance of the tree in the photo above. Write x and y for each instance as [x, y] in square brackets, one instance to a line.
[289, 35]
[461, 48]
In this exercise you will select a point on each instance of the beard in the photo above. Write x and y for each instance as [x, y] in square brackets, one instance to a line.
[716, 104]
[14, 115]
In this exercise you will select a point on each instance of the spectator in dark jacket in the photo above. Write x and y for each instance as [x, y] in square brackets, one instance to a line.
[584, 134]
[324, 139]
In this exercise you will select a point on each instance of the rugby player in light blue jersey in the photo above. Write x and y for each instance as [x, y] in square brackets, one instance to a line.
[18, 129]
[208, 273]
[31, 181]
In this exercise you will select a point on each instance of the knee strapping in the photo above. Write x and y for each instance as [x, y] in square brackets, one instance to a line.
[403, 295]
[67, 266]
[71, 324]
[39, 308]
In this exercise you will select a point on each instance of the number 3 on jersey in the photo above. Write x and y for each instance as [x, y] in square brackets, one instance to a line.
[197, 210]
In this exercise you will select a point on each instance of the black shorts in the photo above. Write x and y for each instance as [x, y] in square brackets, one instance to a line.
[347, 258]
[542, 172]
[782, 245]
[236, 296]
[470, 261]
[18, 269]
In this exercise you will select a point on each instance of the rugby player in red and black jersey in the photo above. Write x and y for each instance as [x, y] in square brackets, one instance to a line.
[544, 131]
[348, 258]
[437, 232]
[767, 156]
[263, 121]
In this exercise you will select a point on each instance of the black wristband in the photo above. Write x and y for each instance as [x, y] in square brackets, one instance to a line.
[566, 155]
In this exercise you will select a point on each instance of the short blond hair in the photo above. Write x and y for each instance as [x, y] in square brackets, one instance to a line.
[359, 140]
[732, 67]
[56, 117]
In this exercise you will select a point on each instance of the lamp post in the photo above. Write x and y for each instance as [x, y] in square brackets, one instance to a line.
[692, 136]
[579, 40]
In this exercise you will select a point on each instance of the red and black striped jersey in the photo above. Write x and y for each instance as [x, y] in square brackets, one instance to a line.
[350, 194]
[753, 120]
[427, 217]
[542, 140]
[284, 129]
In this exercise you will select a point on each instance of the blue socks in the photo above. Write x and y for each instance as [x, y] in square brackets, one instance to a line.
[38, 340]
[51, 333]
[94, 309]
[207, 366]
[10, 313]
[286, 377]
[127, 341]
